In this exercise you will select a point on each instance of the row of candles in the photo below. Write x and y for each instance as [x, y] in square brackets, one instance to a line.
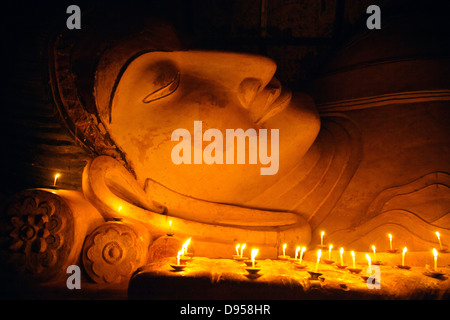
[183, 256]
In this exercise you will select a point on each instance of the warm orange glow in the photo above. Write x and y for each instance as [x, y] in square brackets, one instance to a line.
[329, 251]
[319, 254]
[369, 261]
[254, 253]
[341, 251]
[284, 249]
[120, 208]
[185, 245]
[403, 256]
[170, 226]
[56, 178]
[296, 252]
[435, 254]
[439, 238]
[242, 249]
[390, 241]
[321, 238]
[353, 256]
[301, 254]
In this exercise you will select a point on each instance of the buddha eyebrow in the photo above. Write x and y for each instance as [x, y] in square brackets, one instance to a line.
[164, 91]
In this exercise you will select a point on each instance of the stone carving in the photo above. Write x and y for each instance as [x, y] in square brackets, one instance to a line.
[114, 250]
[45, 230]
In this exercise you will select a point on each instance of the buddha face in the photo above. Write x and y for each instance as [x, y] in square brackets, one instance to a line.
[160, 92]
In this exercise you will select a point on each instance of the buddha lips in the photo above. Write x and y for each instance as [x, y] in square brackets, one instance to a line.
[214, 153]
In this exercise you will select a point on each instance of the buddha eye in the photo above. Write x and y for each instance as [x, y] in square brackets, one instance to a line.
[164, 91]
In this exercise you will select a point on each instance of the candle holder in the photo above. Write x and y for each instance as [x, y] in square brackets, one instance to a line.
[240, 259]
[253, 270]
[249, 263]
[403, 267]
[178, 267]
[355, 270]
[300, 265]
[434, 274]
[392, 250]
[341, 266]
[283, 258]
[328, 261]
[377, 262]
[235, 256]
[443, 250]
[314, 275]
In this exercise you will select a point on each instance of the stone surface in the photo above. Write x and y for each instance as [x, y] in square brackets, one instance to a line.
[205, 278]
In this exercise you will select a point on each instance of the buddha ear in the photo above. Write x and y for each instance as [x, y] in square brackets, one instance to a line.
[114, 191]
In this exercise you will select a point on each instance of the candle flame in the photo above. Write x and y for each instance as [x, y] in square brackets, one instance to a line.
[296, 252]
[435, 253]
[353, 254]
[254, 253]
[390, 236]
[185, 245]
[368, 258]
[341, 251]
[170, 223]
[56, 178]
[120, 208]
[284, 249]
[330, 247]
[322, 233]
[404, 250]
[438, 235]
[373, 249]
[237, 249]
[319, 254]
[242, 249]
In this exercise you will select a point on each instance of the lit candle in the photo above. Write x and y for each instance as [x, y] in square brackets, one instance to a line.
[284, 250]
[321, 238]
[301, 254]
[56, 178]
[254, 253]
[369, 269]
[403, 256]
[120, 208]
[439, 238]
[185, 245]
[435, 253]
[374, 253]
[342, 259]
[319, 253]
[390, 241]
[296, 252]
[178, 257]
[353, 256]
[170, 226]
[329, 251]
[237, 249]
[242, 249]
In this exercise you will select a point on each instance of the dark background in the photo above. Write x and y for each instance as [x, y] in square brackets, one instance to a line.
[300, 35]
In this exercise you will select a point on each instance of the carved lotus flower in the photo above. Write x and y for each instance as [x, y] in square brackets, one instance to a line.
[34, 233]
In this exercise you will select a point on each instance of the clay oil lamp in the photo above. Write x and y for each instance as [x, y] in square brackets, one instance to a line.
[241, 256]
[441, 248]
[391, 250]
[321, 245]
[284, 256]
[296, 255]
[315, 274]
[434, 273]
[170, 233]
[253, 270]
[354, 269]
[179, 266]
[403, 266]
[375, 262]
[185, 257]
[369, 268]
[341, 265]
[237, 255]
[329, 261]
[299, 264]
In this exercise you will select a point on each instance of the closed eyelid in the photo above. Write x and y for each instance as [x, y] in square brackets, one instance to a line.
[164, 91]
